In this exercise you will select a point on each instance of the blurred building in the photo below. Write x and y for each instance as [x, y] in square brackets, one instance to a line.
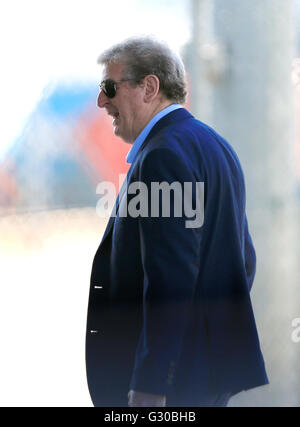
[66, 148]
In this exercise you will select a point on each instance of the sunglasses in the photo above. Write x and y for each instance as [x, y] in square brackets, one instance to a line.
[109, 87]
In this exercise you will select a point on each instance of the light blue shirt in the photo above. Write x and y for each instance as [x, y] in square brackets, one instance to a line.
[132, 153]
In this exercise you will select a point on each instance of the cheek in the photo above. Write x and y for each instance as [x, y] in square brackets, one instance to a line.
[127, 117]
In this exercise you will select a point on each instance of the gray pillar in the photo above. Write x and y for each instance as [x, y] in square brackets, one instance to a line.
[247, 81]
[196, 58]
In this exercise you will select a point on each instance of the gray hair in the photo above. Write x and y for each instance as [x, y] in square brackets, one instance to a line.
[146, 55]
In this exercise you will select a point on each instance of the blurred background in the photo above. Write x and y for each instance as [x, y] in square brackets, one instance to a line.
[243, 64]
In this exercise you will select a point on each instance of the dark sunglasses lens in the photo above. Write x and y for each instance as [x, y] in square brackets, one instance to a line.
[109, 88]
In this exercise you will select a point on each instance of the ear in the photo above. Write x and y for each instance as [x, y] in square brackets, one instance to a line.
[151, 88]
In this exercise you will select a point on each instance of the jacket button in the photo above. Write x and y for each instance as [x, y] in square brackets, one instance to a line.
[94, 332]
[98, 287]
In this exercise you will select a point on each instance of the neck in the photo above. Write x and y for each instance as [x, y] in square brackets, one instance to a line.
[150, 114]
[155, 110]
[160, 107]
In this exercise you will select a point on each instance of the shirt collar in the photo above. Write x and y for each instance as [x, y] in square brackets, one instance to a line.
[132, 153]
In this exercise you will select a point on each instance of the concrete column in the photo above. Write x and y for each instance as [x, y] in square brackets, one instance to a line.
[246, 94]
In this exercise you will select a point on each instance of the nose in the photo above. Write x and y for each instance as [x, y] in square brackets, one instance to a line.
[102, 99]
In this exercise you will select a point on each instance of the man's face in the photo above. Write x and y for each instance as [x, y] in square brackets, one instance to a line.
[127, 107]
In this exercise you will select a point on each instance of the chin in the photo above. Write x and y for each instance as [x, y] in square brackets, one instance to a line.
[117, 133]
[120, 135]
[123, 137]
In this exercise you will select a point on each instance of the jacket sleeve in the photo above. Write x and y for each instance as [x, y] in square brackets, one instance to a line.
[170, 259]
[250, 257]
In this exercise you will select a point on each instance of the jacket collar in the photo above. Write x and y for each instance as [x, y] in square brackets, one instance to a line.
[171, 118]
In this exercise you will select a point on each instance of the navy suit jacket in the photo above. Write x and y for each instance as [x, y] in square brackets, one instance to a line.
[169, 307]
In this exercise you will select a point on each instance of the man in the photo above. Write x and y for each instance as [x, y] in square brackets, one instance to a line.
[170, 320]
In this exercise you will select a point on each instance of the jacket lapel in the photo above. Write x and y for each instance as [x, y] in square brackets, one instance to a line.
[114, 213]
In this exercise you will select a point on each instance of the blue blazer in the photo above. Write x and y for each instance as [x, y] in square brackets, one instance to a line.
[169, 307]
